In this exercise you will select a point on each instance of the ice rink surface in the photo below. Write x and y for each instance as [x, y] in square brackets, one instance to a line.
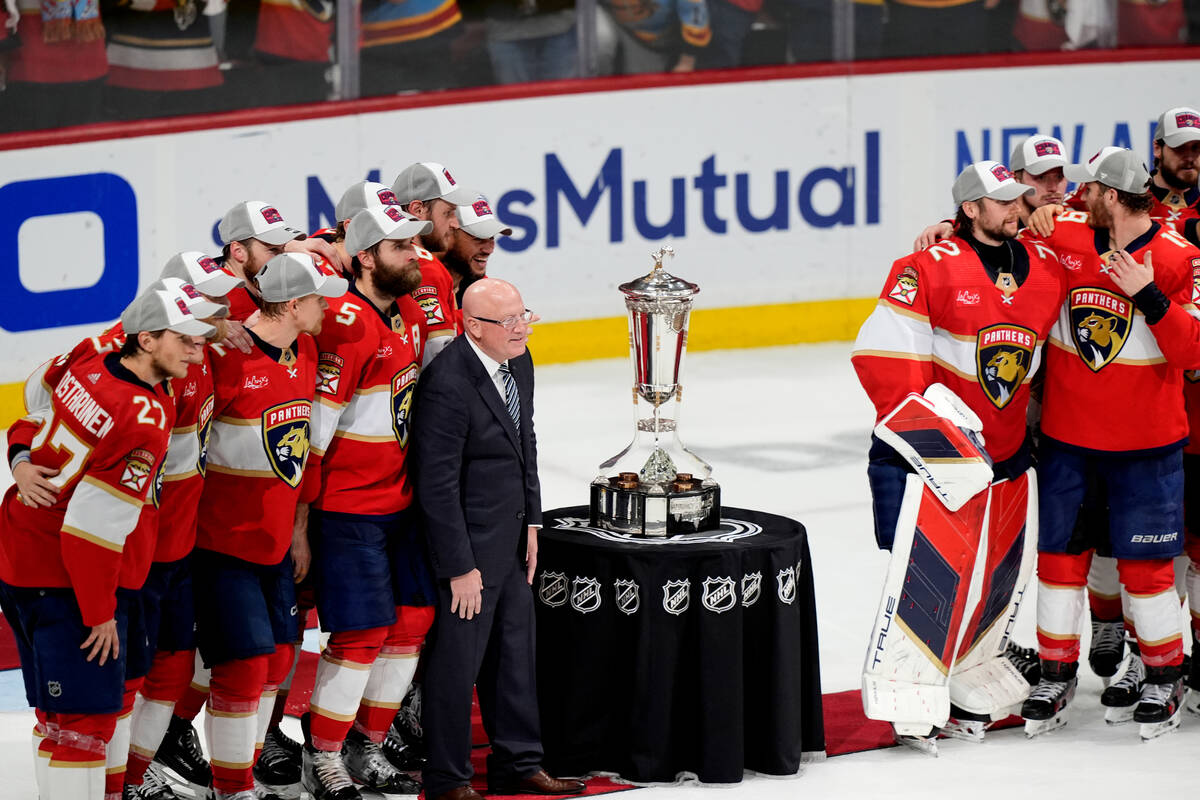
[786, 430]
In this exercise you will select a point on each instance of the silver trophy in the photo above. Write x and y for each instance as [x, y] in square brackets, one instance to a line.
[656, 486]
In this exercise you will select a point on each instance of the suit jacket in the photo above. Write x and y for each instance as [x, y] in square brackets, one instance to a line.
[476, 478]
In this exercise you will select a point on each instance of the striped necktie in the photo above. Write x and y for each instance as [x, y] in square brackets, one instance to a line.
[512, 399]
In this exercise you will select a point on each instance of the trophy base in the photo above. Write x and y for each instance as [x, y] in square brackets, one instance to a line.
[637, 512]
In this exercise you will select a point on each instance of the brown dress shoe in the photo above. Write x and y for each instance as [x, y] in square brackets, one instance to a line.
[460, 793]
[539, 782]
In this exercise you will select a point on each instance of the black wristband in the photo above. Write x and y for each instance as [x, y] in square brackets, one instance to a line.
[1152, 303]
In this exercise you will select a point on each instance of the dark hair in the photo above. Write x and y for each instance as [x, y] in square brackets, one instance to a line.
[340, 236]
[130, 347]
[1135, 203]
[962, 223]
[356, 265]
[274, 310]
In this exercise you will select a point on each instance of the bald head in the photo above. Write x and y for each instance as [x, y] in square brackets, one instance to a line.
[486, 304]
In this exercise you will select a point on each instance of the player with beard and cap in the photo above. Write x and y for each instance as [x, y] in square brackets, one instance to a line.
[970, 313]
[428, 191]
[1036, 161]
[474, 242]
[1125, 334]
[1176, 170]
[373, 589]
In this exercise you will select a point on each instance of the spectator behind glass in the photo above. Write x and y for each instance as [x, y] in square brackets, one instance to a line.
[410, 45]
[292, 45]
[532, 40]
[55, 67]
[654, 35]
[951, 28]
[1143, 24]
[162, 61]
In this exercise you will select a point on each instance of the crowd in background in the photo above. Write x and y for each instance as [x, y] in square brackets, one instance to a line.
[66, 62]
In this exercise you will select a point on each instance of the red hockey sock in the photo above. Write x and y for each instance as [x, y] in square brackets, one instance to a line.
[342, 676]
[392, 673]
[1154, 608]
[231, 725]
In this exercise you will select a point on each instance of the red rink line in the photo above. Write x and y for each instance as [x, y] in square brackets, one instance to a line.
[275, 115]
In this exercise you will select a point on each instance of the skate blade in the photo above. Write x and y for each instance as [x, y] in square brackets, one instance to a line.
[1153, 730]
[371, 794]
[1119, 715]
[922, 744]
[285, 791]
[1192, 703]
[1036, 727]
[179, 784]
[965, 730]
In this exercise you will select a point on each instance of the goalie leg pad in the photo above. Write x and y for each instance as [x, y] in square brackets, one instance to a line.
[924, 605]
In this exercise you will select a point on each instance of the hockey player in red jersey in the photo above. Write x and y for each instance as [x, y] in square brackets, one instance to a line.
[472, 246]
[971, 313]
[1131, 350]
[257, 448]
[64, 582]
[373, 589]
[428, 191]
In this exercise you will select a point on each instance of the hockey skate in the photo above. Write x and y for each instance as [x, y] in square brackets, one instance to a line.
[1046, 708]
[277, 770]
[367, 764]
[1120, 699]
[1107, 649]
[154, 786]
[1025, 659]
[919, 737]
[183, 759]
[965, 725]
[1161, 703]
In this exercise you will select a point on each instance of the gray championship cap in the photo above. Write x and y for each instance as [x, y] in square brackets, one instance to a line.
[1115, 167]
[478, 220]
[372, 225]
[1178, 126]
[200, 306]
[364, 194]
[1038, 154]
[293, 275]
[161, 309]
[428, 180]
[254, 219]
[192, 266]
[989, 179]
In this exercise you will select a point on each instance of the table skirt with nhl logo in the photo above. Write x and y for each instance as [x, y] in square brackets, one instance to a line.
[696, 654]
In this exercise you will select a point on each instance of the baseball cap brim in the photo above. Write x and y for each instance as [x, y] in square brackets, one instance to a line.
[1182, 136]
[1045, 165]
[331, 286]
[1010, 191]
[1078, 173]
[460, 196]
[218, 284]
[279, 236]
[409, 228]
[487, 229]
[192, 327]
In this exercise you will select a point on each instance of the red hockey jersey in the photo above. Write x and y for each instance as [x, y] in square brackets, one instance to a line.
[1103, 355]
[366, 378]
[942, 318]
[107, 435]
[435, 295]
[1173, 208]
[183, 478]
[262, 402]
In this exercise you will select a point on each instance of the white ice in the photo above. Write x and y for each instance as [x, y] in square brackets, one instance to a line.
[786, 430]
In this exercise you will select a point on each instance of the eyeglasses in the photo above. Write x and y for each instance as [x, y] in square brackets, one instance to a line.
[508, 323]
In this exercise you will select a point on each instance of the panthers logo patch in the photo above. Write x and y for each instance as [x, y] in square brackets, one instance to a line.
[1100, 322]
[905, 290]
[1003, 356]
[404, 385]
[156, 487]
[285, 437]
[203, 432]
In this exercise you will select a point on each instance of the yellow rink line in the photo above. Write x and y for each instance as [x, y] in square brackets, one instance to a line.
[709, 329]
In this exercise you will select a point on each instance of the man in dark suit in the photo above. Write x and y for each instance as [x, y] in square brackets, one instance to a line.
[477, 485]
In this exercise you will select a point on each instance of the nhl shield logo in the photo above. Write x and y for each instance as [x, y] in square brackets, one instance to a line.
[553, 589]
[585, 595]
[54, 688]
[1003, 355]
[404, 385]
[720, 594]
[751, 588]
[285, 437]
[627, 596]
[677, 595]
[786, 585]
[1100, 322]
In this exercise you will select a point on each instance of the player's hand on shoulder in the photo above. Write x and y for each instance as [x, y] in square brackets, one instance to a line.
[316, 246]
[932, 234]
[1129, 275]
[1041, 221]
[33, 484]
[236, 336]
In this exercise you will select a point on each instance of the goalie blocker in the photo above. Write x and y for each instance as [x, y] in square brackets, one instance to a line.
[960, 562]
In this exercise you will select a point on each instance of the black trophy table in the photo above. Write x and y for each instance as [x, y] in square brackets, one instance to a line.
[696, 654]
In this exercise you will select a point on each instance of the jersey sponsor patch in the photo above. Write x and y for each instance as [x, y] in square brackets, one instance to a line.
[1003, 355]
[139, 464]
[1100, 322]
[905, 290]
[203, 431]
[329, 372]
[285, 436]
[404, 385]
